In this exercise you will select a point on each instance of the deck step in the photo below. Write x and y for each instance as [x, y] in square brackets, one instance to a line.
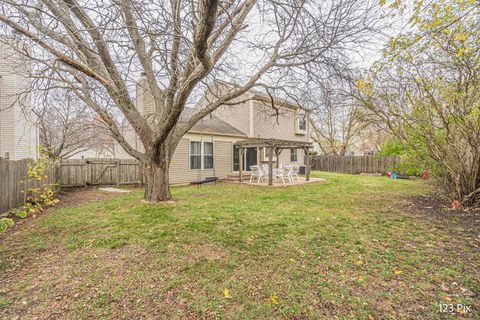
[235, 177]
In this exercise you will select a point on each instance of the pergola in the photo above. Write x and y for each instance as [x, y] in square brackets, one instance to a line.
[277, 146]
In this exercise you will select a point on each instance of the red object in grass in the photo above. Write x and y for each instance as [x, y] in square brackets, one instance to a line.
[425, 175]
[455, 204]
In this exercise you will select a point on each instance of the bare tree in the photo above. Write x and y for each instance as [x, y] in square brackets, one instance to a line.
[97, 49]
[67, 126]
[336, 118]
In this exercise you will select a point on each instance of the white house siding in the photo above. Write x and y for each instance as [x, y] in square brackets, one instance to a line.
[180, 172]
[18, 131]
[26, 135]
[268, 125]
[237, 116]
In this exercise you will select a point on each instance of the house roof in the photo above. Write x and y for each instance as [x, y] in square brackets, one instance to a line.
[276, 143]
[260, 95]
[209, 124]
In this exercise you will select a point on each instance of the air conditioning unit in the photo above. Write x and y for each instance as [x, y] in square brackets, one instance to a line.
[301, 170]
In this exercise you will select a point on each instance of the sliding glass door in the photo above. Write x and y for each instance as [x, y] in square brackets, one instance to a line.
[249, 158]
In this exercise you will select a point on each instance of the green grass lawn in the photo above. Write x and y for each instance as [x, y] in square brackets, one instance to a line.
[352, 247]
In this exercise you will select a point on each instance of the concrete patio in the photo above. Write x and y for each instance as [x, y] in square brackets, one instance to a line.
[278, 183]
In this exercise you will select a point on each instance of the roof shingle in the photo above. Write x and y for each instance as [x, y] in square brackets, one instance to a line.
[209, 124]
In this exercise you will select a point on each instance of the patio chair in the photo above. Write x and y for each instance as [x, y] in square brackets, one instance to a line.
[282, 174]
[264, 168]
[256, 173]
[294, 173]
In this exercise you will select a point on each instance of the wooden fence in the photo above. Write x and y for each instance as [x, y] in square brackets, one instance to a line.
[91, 172]
[354, 164]
[14, 182]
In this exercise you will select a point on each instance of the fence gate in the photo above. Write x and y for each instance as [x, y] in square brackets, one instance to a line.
[94, 171]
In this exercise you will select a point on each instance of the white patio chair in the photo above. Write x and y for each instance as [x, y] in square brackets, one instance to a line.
[256, 173]
[282, 174]
[265, 169]
[294, 173]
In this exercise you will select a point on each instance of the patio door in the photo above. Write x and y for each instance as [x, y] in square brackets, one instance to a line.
[249, 158]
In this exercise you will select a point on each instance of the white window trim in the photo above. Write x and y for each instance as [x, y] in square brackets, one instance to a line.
[202, 154]
[265, 155]
[297, 122]
[296, 154]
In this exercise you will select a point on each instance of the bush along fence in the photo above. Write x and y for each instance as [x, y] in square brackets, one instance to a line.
[354, 164]
[26, 186]
[23, 180]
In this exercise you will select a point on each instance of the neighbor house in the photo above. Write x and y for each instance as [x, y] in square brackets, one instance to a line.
[209, 148]
[18, 130]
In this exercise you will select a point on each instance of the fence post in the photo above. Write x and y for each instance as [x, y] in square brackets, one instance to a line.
[25, 182]
[85, 165]
[118, 172]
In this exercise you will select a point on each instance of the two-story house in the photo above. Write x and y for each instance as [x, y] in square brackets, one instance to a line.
[18, 129]
[209, 148]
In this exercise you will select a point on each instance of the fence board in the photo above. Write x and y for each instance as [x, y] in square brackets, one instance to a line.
[69, 173]
[354, 164]
[95, 171]
[14, 184]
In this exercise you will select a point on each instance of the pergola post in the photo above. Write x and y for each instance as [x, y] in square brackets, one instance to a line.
[270, 166]
[307, 164]
[273, 145]
[240, 160]
[277, 154]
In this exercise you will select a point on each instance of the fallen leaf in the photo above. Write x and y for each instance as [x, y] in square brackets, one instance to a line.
[398, 272]
[274, 299]
[226, 293]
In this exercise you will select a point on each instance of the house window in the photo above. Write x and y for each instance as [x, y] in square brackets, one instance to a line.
[302, 122]
[293, 155]
[266, 151]
[201, 155]
[208, 155]
[195, 155]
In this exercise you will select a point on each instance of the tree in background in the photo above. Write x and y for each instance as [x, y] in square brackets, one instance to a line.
[67, 126]
[336, 118]
[97, 49]
[427, 90]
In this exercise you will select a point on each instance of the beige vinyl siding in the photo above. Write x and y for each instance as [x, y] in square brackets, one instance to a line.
[7, 100]
[223, 158]
[268, 125]
[180, 172]
[284, 157]
[237, 116]
[18, 131]
[26, 132]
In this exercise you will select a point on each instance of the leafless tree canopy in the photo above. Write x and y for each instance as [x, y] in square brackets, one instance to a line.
[335, 116]
[67, 126]
[97, 49]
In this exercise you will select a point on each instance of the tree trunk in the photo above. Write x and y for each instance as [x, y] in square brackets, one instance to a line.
[157, 177]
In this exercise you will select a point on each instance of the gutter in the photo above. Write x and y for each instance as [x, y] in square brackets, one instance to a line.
[218, 134]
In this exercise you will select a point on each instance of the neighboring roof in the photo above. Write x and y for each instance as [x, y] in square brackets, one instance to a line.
[209, 124]
[277, 143]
